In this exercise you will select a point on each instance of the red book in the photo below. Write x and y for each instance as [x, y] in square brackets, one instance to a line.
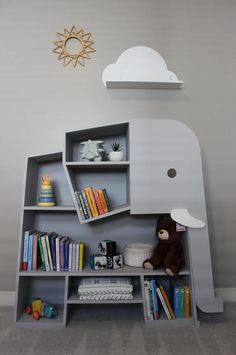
[98, 202]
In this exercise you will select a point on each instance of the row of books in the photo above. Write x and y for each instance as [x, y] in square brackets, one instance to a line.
[177, 306]
[92, 203]
[51, 252]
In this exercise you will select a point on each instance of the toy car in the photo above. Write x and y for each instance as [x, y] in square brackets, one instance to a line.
[39, 308]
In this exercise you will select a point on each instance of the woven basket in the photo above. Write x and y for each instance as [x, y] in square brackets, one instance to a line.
[136, 253]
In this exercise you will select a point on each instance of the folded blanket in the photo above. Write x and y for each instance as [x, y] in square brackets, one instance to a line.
[105, 285]
[110, 296]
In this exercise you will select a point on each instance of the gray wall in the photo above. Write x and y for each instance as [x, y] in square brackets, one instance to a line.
[40, 99]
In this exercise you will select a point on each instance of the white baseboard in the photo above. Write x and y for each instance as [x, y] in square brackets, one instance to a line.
[7, 298]
[228, 294]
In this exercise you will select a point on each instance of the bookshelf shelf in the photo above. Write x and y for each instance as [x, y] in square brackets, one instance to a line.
[55, 208]
[98, 165]
[116, 210]
[139, 189]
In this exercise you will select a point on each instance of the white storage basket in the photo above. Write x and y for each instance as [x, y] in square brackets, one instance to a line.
[136, 253]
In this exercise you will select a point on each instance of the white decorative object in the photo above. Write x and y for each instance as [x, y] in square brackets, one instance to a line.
[92, 150]
[136, 253]
[116, 156]
[140, 67]
[183, 217]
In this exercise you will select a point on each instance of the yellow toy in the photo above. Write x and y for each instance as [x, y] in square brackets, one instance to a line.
[40, 308]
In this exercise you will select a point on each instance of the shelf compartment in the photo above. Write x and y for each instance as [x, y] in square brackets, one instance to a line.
[108, 134]
[73, 297]
[50, 164]
[50, 290]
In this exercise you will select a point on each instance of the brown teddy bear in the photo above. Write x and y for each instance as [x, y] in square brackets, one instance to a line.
[168, 253]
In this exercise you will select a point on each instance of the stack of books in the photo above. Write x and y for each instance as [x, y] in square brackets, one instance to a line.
[178, 306]
[92, 203]
[51, 252]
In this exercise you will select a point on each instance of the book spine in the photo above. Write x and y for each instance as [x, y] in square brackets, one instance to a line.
[86, 204]
[66, 256]
[35, 251]
[107, 199]
[154, 300]
[49, 251]
[91, 201]
[30, 252]
[163, 303]
[45, 253]
[167, 302]
[58, 253]
[73, 256]
[151, 300]
[41, 254]
[176, 300]
[53, 253]
[77, 256]
[24, 266]
[98, 202]
[61, 257]
[70, 256]
[79, 205]
[187, 301]
[82, 203]
[81, 256]
[181, 303]
[147, 298]
[103, 201]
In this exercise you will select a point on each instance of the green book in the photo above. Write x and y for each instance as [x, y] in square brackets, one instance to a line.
[107, 199]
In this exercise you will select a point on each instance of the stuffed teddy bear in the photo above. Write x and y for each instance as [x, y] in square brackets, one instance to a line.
[168, 253]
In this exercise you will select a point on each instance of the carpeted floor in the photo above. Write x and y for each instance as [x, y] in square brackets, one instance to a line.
[216, 335]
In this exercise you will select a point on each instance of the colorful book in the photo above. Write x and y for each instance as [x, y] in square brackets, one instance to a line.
[30, 252]
[154, 299]
[79, 205]
[187, 301]
[81, 256]
[57, 242]
[66, 255]
[103, 201]
[70, 255]
[163, 302]
[61, 248]
[43, 240]
[52, 242]
[107, 199]
[42, 267]
[24, 265]
[91, 201]
[98, 202]
[49, 251]
[166, 300]
[175, 291]
[87, 204]
[35, 252]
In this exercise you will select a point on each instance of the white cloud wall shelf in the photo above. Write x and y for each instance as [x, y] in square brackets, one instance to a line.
[140, 68]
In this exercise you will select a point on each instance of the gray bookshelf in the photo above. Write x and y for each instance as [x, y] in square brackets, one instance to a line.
[139, 189]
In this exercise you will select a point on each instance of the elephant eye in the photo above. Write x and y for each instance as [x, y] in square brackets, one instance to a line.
[172, 173]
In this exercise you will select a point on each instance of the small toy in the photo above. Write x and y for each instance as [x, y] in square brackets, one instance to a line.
[98, 261]
[92, 150]
[107, 247]
[169, 252]
[115, 261]
[46, 197]
[40, 309]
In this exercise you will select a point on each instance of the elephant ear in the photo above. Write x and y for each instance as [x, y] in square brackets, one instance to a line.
[182, 216]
